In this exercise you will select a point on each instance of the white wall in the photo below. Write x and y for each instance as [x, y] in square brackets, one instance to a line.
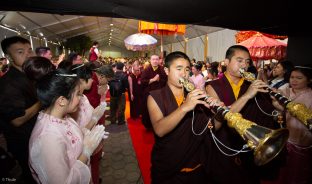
[196, 48]
[179, 46]
[112, 51]
[219, 42]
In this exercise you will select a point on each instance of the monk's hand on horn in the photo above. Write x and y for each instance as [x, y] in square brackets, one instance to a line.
[255, 87]
[193, 98]
[213, 102]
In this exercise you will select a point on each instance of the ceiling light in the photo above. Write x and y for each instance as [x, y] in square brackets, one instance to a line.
[10, 29]
[111, 24]
[22, 26]
[41, 34]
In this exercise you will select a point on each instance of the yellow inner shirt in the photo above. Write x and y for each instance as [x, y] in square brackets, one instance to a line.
[154, 68]
[235, 87]
[179, 100]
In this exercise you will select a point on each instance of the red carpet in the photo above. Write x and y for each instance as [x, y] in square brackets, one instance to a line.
[142, 141]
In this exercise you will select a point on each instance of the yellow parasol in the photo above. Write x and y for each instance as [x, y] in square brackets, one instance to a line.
[161, 29]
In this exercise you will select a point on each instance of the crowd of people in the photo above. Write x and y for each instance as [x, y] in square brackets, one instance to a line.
[52, 109]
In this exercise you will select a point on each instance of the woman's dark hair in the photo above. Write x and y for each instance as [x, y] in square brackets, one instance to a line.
[105, 70]
[198, 66]
[83, 71]
[55, 84]
[214, 68]
[173, 56]
[306, 71]
[37, 67]
[287, 67]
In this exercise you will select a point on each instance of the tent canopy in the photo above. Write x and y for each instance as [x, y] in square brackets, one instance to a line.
[266, 16]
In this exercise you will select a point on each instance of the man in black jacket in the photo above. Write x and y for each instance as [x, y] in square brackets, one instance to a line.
[117, 89]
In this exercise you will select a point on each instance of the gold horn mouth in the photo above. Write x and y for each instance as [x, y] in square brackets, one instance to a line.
[265, 142]
[271, 146]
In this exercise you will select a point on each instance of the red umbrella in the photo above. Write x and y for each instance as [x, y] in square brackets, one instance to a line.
[263, 48]
[244, 35]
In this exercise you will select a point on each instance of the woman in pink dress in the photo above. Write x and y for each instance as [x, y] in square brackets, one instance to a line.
[298, 166]
[58, 150]
[197, 78]
[87, 116]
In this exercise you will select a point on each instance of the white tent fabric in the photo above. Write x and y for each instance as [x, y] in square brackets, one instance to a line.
[218, 43]
[195, 48]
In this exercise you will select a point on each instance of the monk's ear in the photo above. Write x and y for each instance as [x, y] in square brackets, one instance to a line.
[226, 62]
[166, 70]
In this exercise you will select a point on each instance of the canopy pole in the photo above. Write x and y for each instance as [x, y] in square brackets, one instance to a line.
[161, 43]
[206, 48]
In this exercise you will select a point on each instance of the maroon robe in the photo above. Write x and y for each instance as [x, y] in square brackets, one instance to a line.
[136, 105]
[148, 74]
[95, 99]
[92, 55]
[92, 94]
[180, 148]
[241, 168]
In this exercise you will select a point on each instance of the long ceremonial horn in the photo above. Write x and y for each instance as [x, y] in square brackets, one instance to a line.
[266, 143]
[298, 110]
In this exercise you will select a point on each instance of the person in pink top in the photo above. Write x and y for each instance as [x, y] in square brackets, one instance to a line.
[87, 116]
[59, 152]
[298, 166]
[197, 78]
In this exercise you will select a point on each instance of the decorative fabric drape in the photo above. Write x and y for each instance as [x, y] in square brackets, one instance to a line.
[161, 29]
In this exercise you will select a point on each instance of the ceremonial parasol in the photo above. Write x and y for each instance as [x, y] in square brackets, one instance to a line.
[161, 29]
[244, 35]
[262, 47]
[140, 42]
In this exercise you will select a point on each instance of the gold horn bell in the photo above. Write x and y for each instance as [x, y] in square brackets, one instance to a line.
[266, 143]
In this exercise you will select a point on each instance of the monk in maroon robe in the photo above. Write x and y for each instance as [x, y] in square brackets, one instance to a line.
[243, 97]
[182, 139]
[153, 77]
[135, 93]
